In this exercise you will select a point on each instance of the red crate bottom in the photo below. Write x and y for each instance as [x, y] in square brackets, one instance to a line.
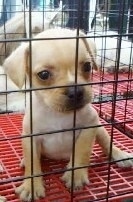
[121, 180]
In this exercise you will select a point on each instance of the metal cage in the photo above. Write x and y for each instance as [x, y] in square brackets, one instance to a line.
[109, 24]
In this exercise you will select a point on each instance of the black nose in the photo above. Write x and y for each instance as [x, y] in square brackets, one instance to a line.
[75, 93]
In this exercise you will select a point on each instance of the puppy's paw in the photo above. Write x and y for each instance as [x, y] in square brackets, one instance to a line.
[25, 190]
[119, 155]
[80, 178]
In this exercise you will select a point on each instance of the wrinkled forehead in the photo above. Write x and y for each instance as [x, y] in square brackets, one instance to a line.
[58, 51]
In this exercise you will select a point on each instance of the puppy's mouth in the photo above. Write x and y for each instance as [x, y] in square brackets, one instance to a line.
[74, 105]
[76, 99]
[67, 106]
[67, 101]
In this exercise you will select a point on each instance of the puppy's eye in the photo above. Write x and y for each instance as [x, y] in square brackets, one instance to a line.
[44, 75]
[87, 67]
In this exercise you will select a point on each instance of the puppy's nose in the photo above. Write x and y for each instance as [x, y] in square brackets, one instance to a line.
[75, 93]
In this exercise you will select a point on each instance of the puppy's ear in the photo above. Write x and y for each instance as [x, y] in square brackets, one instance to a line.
[91, 48]
[15, 65]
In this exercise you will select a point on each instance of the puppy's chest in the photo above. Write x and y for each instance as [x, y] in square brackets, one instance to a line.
[58, 142]
[58, 145]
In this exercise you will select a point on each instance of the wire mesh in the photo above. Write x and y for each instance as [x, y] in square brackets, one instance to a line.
[109, 24]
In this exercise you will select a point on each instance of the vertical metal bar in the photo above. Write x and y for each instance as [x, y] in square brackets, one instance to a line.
[76, 77]
[30, 85]
[115, 86]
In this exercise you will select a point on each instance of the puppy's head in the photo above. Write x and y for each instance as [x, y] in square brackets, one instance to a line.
[58, 62]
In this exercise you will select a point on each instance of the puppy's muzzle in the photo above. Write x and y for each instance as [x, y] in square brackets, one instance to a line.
[75, 97]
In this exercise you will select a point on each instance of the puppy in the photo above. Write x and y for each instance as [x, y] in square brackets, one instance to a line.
[53, 64]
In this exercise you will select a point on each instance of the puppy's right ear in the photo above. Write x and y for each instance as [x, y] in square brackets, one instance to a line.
[91, 48]
[15, 65]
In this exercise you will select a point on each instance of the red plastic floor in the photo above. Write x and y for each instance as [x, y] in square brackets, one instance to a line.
[121, 180]
[108, 82]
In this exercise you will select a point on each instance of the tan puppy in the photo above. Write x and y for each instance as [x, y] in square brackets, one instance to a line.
[53, 64]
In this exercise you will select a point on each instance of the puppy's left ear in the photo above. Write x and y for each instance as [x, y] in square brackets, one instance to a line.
[15, 65]
[91, 48]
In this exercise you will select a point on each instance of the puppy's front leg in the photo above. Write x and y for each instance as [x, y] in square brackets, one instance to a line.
[103, 139]
[83, 150]
[25, 190]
